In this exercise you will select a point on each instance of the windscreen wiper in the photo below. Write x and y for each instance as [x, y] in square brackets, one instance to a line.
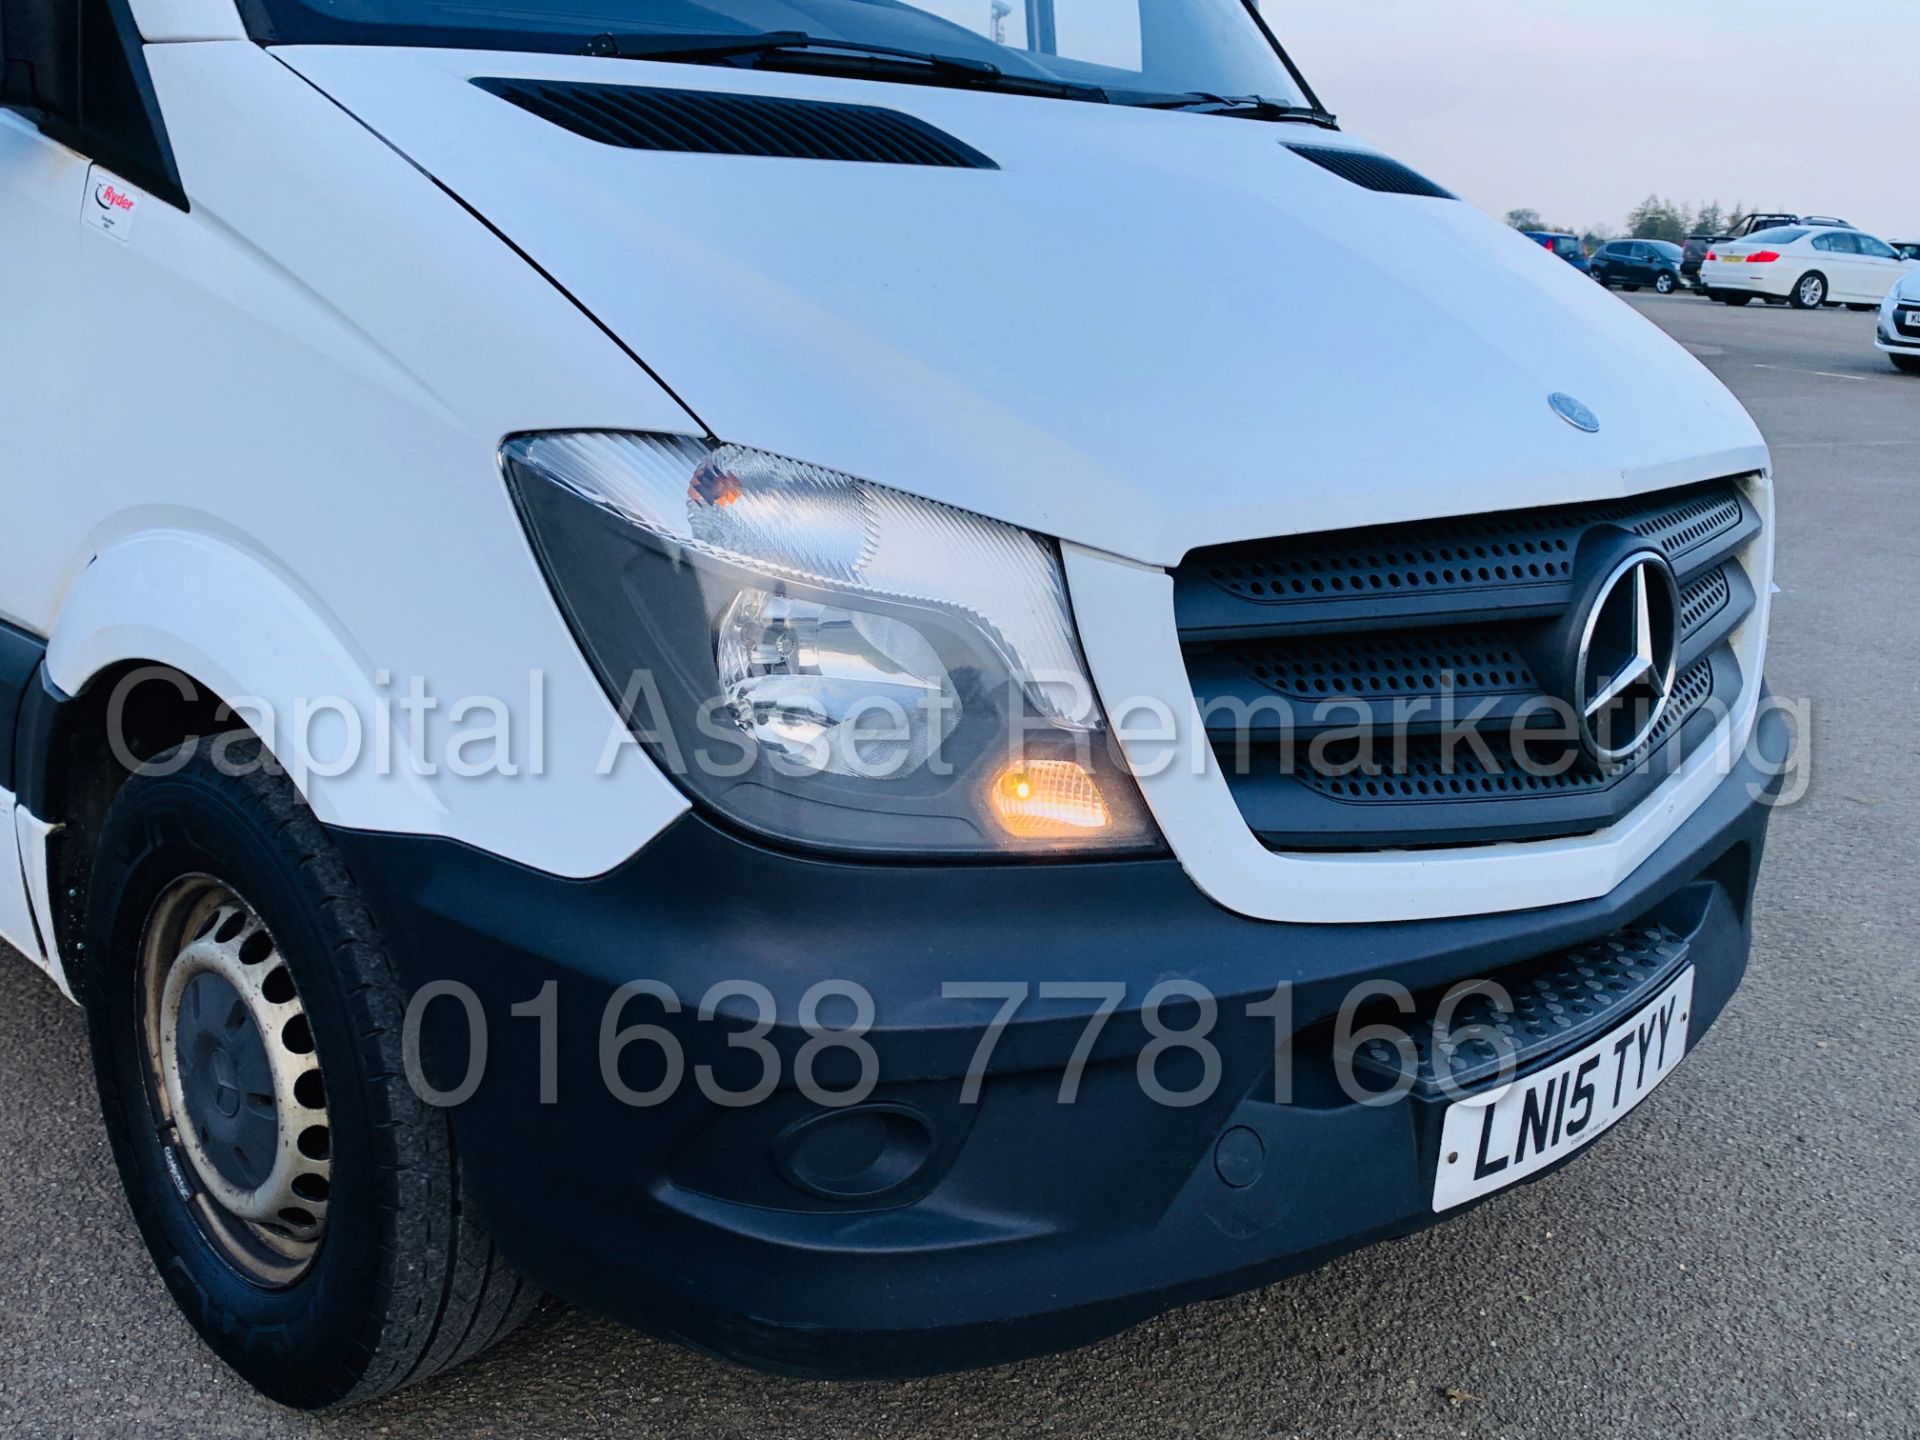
[838, 56]
[1249, 107]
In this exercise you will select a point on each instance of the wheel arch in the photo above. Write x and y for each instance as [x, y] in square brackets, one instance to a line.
[165, 637]
[69, 771]
[246, 632]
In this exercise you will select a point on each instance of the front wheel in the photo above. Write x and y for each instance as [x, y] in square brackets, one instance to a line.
[1631, 289]
[1666, 284]
[1909, 363]
[1734, 300]
[1811, 292]
[1861, 309]
[299, 1199]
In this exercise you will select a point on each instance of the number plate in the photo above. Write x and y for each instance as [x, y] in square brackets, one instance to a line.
[1490, 1141]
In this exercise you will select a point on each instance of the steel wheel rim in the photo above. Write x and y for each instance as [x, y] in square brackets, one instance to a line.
[233, 1081]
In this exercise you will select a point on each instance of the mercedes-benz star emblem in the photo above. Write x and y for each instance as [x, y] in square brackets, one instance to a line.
[1628, 653]
[1574, 413]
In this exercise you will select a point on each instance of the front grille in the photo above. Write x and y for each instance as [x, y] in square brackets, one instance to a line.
[1431, 639]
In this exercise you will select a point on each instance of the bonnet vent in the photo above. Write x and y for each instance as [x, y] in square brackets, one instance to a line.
[703, 122]
[1373, 172]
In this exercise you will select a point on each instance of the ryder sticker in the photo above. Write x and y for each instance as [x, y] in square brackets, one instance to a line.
[110, 205]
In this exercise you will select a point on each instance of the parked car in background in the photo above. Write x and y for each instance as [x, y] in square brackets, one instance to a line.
[1700, 243]
[1899, 335]
[1805, 267]
[1693, 254]
[1907, 249]
[1745, 225]
[1633, 264]
[1567, 247]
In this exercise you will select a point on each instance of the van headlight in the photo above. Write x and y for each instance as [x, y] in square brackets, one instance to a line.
[826, 661]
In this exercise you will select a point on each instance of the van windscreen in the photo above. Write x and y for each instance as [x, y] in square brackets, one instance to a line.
[1125, 51]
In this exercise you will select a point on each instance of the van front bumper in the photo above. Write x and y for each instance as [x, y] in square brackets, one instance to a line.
[922, 1233]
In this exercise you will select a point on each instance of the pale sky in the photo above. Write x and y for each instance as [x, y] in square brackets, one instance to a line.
[1811, 106]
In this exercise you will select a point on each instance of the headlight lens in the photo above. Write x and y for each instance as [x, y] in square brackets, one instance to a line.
[825, 660]
[802, 679]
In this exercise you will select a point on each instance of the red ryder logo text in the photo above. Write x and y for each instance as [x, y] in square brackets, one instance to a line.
[109, 198]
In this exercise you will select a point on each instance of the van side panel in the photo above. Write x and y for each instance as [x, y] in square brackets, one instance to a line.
[264, 446]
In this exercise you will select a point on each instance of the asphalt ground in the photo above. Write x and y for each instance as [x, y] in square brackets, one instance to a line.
[1739, 1259]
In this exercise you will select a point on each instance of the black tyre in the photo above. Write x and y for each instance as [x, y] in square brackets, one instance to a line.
[299, 1200]
[1809, 291]
[1666, 283]
[1908, 363]
[1631, 289]
[1734, 300]
[1860, 309]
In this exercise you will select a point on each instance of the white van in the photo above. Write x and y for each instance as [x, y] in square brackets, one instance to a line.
[722, 659]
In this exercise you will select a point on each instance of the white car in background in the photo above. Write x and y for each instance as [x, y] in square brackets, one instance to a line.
[1899, 333]
[1805, 266]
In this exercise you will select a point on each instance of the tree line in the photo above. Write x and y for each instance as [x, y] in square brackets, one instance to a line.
[1654, 218]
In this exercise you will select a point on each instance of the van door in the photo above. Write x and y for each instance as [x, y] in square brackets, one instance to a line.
[42, 184]
[42, 187]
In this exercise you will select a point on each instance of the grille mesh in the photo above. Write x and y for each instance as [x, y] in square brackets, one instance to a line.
[1469, 663]
[1684, 526]
[1438, 769]
[705, 122]
[1459, 555]
[1704, 598]
[1366, 666]
[1432, 566]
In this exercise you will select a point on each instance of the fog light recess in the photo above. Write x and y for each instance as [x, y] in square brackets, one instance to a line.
[864, 1153]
